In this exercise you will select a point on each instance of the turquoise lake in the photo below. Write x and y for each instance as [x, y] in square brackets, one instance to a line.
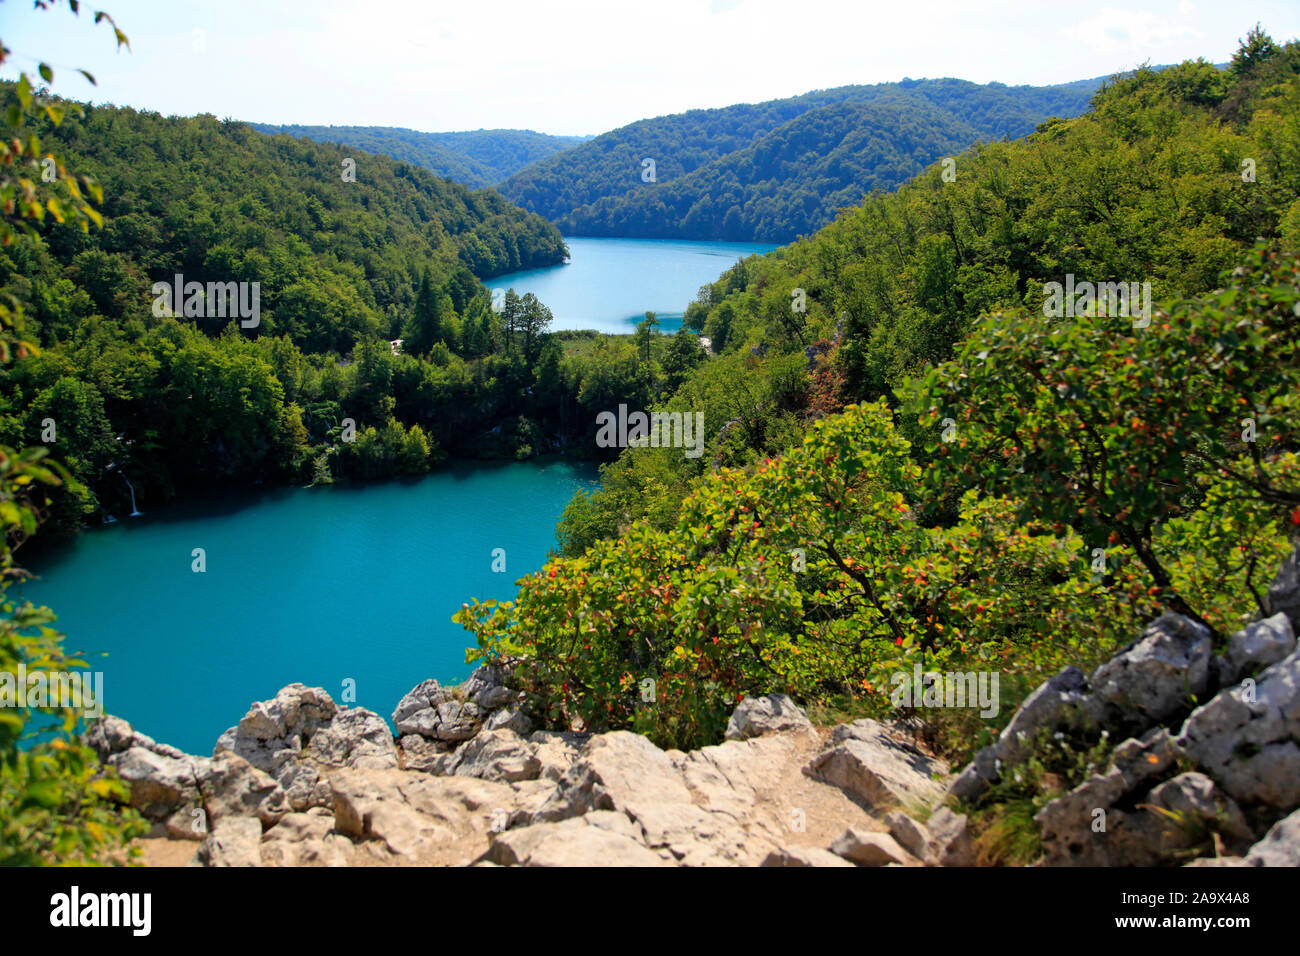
[328, 585]
[318, 585]
[609, 284]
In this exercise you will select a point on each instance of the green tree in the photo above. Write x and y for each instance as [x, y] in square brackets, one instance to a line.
[1093, 423]
[1258, 47]
[56, 803]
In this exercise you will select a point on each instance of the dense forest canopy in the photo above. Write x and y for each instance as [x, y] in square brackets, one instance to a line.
[348, 250]
[769, 172]
[474, 158]
[924, 466]
[1149, 185]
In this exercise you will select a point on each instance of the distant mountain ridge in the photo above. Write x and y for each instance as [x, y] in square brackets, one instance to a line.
[769, 172]
[474, 158]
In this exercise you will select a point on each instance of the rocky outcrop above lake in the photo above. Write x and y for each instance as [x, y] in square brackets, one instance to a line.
[1207, 745]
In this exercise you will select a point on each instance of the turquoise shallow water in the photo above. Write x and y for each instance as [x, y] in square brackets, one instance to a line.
[609, 284]
[319, 585]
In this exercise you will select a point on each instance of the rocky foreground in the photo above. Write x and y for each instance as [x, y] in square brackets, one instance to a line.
[1209, 744]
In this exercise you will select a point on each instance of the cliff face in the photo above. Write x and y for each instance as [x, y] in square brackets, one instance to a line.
[1206, 770]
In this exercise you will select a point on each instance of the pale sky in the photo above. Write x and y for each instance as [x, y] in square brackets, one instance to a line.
[586, 66]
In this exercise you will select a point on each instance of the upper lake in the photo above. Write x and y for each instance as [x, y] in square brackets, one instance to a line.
[318, 585]
[609, 284]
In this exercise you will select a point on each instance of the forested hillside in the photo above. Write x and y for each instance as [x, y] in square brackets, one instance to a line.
[926, 469]
[1147, 186]
[345, 260]
[768, 172]
[474, 158]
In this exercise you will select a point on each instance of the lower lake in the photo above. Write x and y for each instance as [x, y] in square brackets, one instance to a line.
[336, 587]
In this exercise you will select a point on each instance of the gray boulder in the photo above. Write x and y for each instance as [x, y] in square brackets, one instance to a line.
[1085, 828]
[804, 856]
[1063, 700]
[431, 710]
[755, 716]
[301, 734]
[950, 842]
[500, 755]
[878, 767]
[355, 737]
[1199, 803]
[1260, 645]
[910, 834]
[1252, 747]
[614, 772]
[510, 718]
[486, 688]
[1157, 676]
[870, 849]
[234, 841]
[232, 787]
[596, 839]
[1280, 846]
[159, 785]
[421, 753]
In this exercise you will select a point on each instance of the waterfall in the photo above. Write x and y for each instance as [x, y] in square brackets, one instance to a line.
[135, 512]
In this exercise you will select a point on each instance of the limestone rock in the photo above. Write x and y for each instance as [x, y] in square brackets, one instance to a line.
[556, 751]
[756, 716]
[950, 842]
[416, 711]
[421, 753]
[614, 770]
[877, 767]
[596, 839]
[910, 834]
[355, 737]
[510, 718]
[804, 856]
[409, 814]
[296, 712]
[1252, 748]
[433, 711]
[1195, 798]
[1155, 677]
[486, 687]
[300, 735]
[234, 841]
[1131, 837]
[1284, 593]
[305, 839]
[230, 786]
[870, 849]
[696, 836]
[1062, 700]
[159, 785]
[726, 777]
[1280, 846]
[1259, 645]
[500, 755]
